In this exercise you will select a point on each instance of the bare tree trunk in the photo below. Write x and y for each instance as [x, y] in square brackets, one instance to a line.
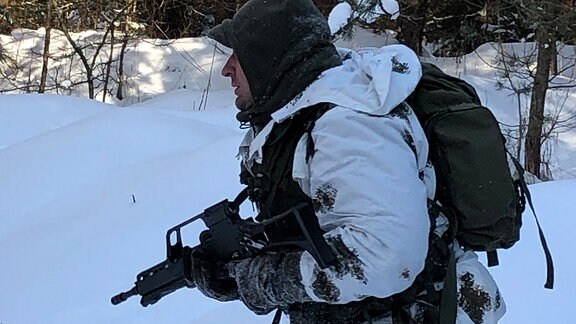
[130, 16]
[90, 66]
[46, 53]
[554, 62]
[520, 126]
[546, 54]
[153, 24]
[109, 63]
[412, 22]
[120, 91]
[89, 69]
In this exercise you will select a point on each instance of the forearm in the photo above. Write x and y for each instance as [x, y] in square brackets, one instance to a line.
[270, 281]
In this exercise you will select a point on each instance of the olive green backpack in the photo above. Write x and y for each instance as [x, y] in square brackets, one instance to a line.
[475, 186]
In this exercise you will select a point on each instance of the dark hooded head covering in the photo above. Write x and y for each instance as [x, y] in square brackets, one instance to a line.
[282, 46]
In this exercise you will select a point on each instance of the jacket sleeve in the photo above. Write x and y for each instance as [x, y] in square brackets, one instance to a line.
[270, 281]
[365, 179]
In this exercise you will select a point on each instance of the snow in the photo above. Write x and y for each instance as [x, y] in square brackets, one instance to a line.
[88, 190]
[391, 7]
[342, 13]
[339, 16]
[71, 235]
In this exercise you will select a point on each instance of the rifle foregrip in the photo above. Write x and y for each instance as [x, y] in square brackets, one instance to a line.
[123, 296]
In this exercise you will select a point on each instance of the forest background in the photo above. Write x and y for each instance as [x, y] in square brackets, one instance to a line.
[432, 28]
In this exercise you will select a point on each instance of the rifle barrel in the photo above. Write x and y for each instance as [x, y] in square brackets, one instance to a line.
[122, 297]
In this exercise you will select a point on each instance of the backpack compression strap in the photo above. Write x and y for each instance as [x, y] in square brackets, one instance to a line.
[549, 262]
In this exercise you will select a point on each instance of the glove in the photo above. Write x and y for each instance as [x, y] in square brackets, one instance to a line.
[209, 278]
[269, 281]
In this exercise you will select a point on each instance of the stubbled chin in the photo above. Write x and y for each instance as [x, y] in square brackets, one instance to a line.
[241, 104]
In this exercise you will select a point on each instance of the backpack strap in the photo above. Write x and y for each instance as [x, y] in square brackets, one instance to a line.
[449, 299]
[492, 257]
[320, 111]
[525, 192]
[277, 316]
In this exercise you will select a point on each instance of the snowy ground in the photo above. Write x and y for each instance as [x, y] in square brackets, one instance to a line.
[88, 190]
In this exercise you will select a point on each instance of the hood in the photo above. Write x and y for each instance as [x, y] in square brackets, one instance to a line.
[282, 46]
[372, 81]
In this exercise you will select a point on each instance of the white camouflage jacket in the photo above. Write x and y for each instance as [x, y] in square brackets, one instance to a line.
[370, 174]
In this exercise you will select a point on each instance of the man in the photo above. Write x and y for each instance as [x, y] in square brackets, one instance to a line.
[329, 131]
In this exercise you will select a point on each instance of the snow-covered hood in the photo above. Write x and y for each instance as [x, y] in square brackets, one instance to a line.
[373, 81]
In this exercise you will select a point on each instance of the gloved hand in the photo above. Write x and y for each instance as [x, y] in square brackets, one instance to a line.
[269, 281]
[210, 278]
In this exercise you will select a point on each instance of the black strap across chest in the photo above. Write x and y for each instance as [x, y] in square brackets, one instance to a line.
[270, 183]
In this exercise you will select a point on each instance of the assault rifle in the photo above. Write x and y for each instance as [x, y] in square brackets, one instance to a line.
[229, 237]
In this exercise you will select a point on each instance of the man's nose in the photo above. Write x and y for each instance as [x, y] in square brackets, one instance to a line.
[227, 70]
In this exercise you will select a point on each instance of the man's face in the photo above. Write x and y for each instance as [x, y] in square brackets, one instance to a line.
[233, 70]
